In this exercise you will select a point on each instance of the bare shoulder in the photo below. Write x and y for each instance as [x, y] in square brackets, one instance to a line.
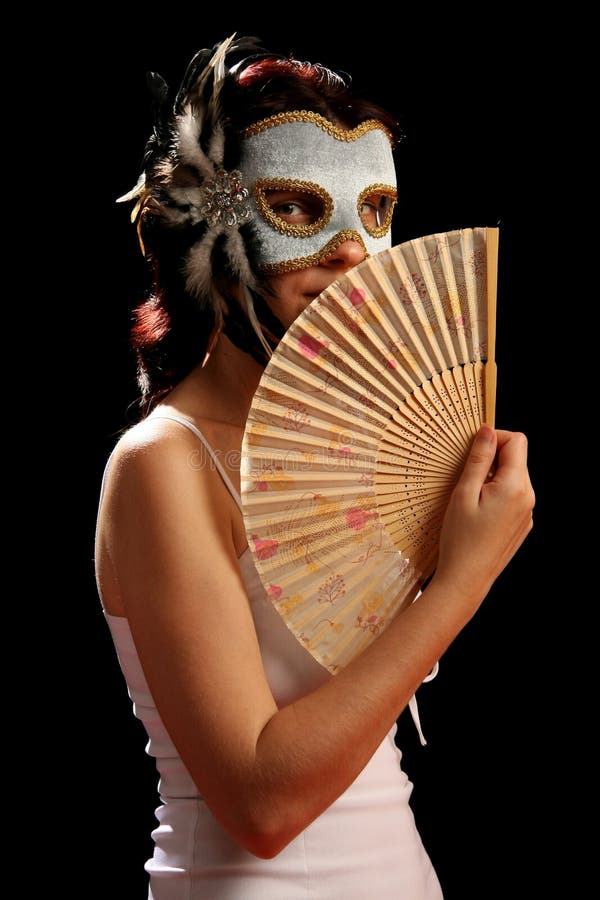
[162, 504]
[163, 458]
[152, 443]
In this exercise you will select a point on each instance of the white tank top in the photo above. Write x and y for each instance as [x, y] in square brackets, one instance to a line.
[364, 845]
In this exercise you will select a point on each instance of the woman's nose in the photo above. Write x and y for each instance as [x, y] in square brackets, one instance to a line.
[346, 255]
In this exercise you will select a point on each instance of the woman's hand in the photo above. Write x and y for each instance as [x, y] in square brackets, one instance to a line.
[488, 516]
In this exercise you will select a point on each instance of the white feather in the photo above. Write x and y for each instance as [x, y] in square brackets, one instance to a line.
[135, 191]
[236, 252]
[175, 216]
[254, 321]
[219, 306]
[188, 133]
[191, 196]
[215, 67]
[198, 265]
[213, 111]
[218, 59]
[216, 147]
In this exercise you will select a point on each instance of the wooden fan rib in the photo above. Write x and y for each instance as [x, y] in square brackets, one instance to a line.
[491, 296]
[412, 509]
[461, 378]
[406, 428]
[403, 442]
[411, 528]
[411, 458]
[471, 375]
[417, 510]
[284, 525]
[387, 492]
[385, 308]
[457, 299]
[423, 252]
[427, 406]
[402, 281]
[438, 395]
[330, 397]
[366, 615]
[375, 371]
[345, 475]
[455, 399]
[294, 425]
[418, 543]
[397, 515]
[386, 471]
[473, 261]
[428, 398]
[273, 399]
[395, 500]
[291, 441]
[414, 415]
[366, 591]
[424, 506]
[360, 584]
[260, 493]
[386, 480]
[300, 557]
[338, 380]
[418, 421]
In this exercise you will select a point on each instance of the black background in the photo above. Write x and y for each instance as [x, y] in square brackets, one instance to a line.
[473, 105]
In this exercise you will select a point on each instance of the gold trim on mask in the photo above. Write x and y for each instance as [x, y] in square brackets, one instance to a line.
[389, 191]
[303, 115]
[304, 262]
[261, 185]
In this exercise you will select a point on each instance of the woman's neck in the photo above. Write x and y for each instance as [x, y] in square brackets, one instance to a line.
[222, 390]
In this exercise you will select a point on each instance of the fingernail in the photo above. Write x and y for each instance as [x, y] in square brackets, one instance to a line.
[486, 433]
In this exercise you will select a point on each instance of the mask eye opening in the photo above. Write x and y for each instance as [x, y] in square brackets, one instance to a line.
[318, 197]
[381, 200]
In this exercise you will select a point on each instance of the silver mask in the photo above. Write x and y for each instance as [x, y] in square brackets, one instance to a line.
[341, 172]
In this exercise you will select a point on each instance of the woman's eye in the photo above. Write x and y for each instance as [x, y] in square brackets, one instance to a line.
[369, 215]
[295, 208]
[375, 210]
[288, 209]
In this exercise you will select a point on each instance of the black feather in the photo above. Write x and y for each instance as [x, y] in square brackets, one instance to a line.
[159, 95]
[192, 74]
[159, 92]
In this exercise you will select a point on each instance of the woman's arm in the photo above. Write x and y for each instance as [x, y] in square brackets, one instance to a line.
[267, 773]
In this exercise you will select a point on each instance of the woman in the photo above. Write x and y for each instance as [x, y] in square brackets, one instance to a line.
[277, 780]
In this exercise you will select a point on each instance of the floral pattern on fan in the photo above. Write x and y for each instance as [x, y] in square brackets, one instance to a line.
[357, 434]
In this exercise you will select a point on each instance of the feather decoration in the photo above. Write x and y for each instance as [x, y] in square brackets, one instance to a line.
[216, 146]
[135, 192]
[197, 65]
[249, 304]
[159, 94]
[198, 270]
[188, 134]
[214, 106]
[219, 307]
[198, 111]
[237, 255]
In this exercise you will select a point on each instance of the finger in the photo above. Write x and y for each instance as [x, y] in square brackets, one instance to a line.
[512, 456]
[479, 461]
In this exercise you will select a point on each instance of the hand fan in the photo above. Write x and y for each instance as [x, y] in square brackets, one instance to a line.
[358, 431]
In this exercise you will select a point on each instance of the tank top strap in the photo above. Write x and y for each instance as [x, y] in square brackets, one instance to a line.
[215, 459]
